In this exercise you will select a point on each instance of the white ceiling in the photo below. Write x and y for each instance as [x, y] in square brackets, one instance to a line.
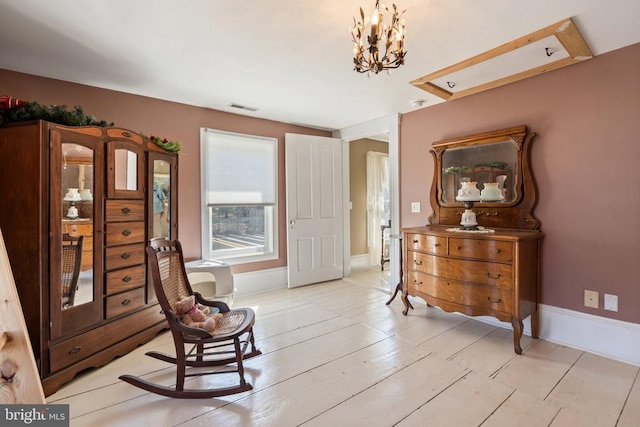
[291, 59]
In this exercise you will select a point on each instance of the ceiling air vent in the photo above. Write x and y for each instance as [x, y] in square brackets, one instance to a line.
[243, 107]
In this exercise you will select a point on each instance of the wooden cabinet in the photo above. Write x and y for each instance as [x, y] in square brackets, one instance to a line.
[492, 269]
[493, 274]
[91, 182]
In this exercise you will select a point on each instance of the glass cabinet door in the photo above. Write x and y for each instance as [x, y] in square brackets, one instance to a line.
[75, 188]
[162, 204]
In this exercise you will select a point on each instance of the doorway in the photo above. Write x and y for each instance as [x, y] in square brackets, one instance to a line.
[389, 128]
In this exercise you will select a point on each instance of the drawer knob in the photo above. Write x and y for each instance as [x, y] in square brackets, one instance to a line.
[126, 301]
[126, 233]
[459, 247]
[126, 279]
[498, 251]
[416, 262]
[75, 350]
[494, 300]
[415, 282]
[436, 245]
[415, 242]
[126, 210]
[126, 255]
[497, 276]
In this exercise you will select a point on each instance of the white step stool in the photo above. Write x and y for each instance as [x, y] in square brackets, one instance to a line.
[212, 279]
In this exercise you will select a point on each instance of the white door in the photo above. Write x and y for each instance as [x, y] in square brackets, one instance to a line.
[314, 209]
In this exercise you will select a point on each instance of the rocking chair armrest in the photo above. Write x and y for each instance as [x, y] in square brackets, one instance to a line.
[223, 307]
[184, 329]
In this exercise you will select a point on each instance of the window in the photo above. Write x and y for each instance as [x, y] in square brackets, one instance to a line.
[239, 184]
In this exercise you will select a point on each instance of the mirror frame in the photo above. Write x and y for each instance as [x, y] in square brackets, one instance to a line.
[516, 214]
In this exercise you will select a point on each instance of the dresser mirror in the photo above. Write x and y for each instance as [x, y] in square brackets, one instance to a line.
[498, 159]
[77, 225]
[126, 170]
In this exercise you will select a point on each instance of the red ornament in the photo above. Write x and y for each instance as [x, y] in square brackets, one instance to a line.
[7, 102]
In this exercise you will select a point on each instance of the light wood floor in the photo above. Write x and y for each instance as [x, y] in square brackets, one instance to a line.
[335, 355]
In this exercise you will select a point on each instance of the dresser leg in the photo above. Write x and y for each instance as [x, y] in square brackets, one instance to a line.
[517, 334]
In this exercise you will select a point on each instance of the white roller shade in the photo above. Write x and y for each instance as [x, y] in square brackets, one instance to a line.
[240, 169]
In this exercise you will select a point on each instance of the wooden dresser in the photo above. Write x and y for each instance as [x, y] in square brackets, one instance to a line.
[494, 274]
[491, 268]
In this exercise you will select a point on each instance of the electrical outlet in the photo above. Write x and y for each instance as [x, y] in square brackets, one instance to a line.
[415, 207]
[611, 302]
[591, 299]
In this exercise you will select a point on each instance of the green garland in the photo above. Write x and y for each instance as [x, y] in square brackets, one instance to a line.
[53, 113]
[164, 143]
[76, 117]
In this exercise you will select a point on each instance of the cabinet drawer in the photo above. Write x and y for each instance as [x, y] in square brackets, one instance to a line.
[489, 273]
[423, 242]
[127, 278]
[124, 210]
[490, 250]
[123, 256]
[471, 295]
[121, 233]
[122, 303]
[73, 350]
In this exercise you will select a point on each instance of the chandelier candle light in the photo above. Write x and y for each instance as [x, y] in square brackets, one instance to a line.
[366, 51]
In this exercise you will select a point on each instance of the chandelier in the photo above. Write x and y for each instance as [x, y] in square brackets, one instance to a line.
[367, 55]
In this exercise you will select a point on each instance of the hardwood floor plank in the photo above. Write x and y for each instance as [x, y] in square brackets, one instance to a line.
[468, 402]
[631, 411]
[539, 369]
[522, 410]
[310, 393]
[593, 392]
[395, 397]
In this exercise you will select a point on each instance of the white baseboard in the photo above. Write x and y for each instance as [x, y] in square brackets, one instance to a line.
[606, 337]
[256, 282]
[360, 263]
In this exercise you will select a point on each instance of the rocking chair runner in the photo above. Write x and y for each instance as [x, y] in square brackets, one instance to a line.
[233, 333]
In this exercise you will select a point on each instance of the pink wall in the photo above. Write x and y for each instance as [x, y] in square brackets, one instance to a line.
[165, 119]
[586, 160]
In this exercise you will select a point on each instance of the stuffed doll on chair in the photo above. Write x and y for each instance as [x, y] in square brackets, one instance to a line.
[193, 316]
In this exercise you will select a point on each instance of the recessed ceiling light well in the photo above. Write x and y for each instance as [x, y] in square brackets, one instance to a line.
[242, 107]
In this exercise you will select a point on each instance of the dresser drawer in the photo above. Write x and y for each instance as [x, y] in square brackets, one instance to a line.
[73, 350]
[76, 230]
[427, 243]
[489, 273]
[124, 256]
[121, 233]
[127, 278]
[124, 210]
[490, 250]
[123, 303]
[486, 297]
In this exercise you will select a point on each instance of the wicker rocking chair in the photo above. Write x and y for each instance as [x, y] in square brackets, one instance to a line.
[233, 334]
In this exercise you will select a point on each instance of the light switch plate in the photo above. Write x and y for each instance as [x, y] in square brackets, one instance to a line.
[611, 302]
[415, 207]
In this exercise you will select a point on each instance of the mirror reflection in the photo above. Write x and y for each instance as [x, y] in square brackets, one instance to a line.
[161, 198]
[491, 166]
[77, 225]
[126, 172]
